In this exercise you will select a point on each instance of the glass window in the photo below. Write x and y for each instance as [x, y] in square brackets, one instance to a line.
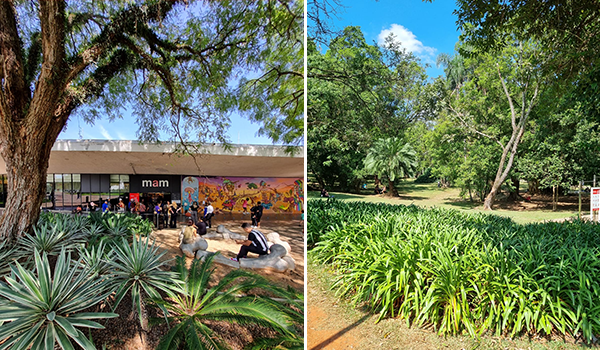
[48, 201]
[58, 191]
[76, 188]
[67, 191]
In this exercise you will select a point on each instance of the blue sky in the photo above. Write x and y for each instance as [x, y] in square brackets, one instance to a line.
[241, 131]
[426, 29]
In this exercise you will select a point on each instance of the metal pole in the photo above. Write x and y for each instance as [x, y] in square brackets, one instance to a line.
[594, 181]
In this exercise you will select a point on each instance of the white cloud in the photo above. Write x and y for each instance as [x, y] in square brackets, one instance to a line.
[105, 133]
[409, 41]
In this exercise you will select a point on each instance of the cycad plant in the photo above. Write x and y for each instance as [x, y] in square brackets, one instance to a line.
[224, 302]
[137, 269]
[39, 310]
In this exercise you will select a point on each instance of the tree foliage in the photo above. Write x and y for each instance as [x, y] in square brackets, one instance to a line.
[179, 66]
[567, 29]
[392, 158]
[359, 93]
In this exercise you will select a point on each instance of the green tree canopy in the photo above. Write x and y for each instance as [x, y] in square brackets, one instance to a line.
[392, 158]
[357, 94]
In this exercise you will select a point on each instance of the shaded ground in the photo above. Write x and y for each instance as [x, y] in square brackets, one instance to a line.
[123, 333]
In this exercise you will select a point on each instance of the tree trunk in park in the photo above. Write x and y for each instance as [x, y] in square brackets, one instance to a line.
[533, 187]
[514, 194]
[377, 181]
[29, 125]
[510, 149]
[554, 197]
[392, 191]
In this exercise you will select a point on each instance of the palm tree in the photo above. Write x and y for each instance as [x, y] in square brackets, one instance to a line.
[393, 158]
[454, 68]
[227, 301]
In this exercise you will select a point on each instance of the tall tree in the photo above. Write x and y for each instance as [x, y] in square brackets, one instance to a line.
[391, 158]
[497, 101]
[174, 61]
[358, 93]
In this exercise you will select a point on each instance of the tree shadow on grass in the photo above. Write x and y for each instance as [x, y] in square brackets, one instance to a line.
[462, 204]
[326, 342]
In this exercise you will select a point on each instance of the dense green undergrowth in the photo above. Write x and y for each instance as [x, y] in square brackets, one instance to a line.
[473, 273]
[71, 271]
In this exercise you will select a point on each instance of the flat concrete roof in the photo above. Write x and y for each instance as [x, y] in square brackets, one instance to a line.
[131, 157]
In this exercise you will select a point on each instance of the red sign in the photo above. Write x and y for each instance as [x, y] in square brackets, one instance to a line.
[595, 202]
[134, 197]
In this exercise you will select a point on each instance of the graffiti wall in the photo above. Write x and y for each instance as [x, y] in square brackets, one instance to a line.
[239, 194]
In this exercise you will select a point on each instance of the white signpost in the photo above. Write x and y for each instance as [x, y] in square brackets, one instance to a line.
[595, 204]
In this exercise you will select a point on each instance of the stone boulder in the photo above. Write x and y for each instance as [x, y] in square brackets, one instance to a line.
[190, 250]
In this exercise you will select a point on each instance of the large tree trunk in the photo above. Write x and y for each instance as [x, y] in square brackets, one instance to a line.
[29, 125]
[26, 187]
[514, 195]
[510, 149]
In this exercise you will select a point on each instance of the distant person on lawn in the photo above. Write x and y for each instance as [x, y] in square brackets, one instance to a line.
[256, 243]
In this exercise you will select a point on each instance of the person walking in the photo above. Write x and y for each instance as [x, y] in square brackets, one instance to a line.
[258, 212]
[173, 210]
[210, 212]
[245, 206]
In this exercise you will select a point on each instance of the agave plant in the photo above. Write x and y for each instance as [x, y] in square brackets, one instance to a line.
[41, 310]
[50, 237]
[137, 269]
[116, 224]
[197, 304]
[7, 256]
[96, 258]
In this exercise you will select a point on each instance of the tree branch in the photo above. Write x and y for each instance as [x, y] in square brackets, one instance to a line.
[513, 114]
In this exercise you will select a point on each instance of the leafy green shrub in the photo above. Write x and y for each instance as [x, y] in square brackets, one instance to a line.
[7, 256]
[96, 258]
[40, 309]
[462, 272]
[137, 270]
[196, 304]
[140, 226]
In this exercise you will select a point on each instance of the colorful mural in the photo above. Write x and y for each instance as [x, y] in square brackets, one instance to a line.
[239, 194]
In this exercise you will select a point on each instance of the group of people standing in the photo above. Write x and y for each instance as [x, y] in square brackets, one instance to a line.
[208, 213]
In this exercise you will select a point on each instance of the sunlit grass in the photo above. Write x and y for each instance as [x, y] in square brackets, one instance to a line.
[430, 196]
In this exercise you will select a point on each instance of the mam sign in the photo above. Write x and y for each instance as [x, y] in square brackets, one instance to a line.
[155, 183]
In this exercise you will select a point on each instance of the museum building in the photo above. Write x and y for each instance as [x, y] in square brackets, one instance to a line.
[231, 178]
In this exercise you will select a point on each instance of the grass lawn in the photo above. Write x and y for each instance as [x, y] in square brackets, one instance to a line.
[429, 195]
